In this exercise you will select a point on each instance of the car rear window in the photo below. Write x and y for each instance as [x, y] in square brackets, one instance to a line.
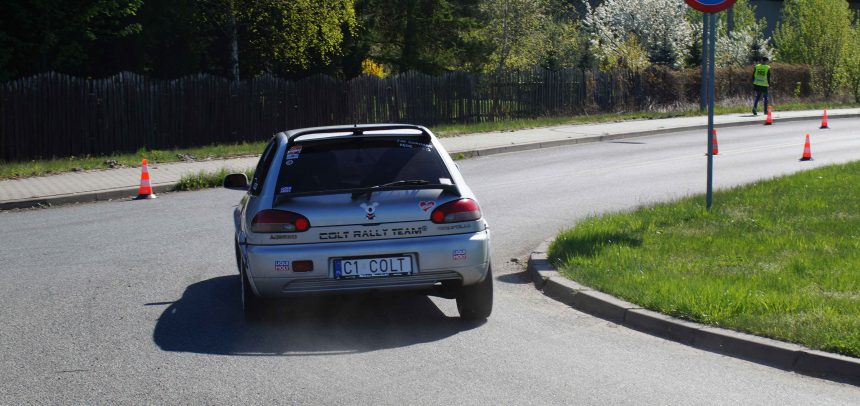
[359, 162]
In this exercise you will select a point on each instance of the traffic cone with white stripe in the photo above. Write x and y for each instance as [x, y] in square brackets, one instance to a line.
[807, 151]
[824, 121]
[145, 190]
[715, 149]
[769, 119]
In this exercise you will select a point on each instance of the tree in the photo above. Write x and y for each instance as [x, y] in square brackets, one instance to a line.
[746, 43]
[61, 35]
[520, 34]
[817, 32]
[853, 62]
[659, 27]
[515, 27]
[170, 38]
[285, 36]
[422, 35]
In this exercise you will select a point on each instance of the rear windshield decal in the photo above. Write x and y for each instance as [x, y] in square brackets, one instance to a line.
[293, 153]
[286, 189]
[414, 144]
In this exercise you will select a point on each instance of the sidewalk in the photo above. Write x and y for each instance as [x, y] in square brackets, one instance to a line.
[120, 183]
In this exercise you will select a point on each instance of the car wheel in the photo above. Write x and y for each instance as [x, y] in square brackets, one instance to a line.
[252, 305]
[475, 302]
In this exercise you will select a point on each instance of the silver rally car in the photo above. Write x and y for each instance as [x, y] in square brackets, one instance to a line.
[358, 209]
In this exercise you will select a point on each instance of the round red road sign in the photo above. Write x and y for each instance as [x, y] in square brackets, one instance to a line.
[710, 6]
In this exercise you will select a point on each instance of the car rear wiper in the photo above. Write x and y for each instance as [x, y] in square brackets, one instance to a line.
[405, 182]
[402, 182]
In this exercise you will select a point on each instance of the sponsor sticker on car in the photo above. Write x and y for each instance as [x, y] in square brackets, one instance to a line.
[425, 206]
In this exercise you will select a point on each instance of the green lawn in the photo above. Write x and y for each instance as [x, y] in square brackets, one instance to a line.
[779, 258]
[57, 165]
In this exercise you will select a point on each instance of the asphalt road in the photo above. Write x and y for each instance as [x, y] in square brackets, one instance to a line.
[138, 301]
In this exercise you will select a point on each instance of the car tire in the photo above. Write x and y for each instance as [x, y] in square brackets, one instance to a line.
[252, 305]
[475, 302]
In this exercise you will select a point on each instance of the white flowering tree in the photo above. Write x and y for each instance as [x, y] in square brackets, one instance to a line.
[742, 47]
[659, 28]
[746, 43]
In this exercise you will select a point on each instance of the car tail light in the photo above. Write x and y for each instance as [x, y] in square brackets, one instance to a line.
[456, 211]
[303, 266]
[279, 221]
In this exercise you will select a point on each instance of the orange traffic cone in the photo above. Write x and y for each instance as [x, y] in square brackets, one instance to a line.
[145, 190]
[824, 121]
[715, 149]
[807, 152]
[769, 119]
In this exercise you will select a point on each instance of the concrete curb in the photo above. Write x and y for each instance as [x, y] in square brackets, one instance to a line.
[778, 354]
[83, 197]
[612, 137]
[114, 194]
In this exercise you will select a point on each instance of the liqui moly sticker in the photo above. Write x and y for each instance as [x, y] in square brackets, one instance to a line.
[459, 255]
[282, 266]
[426, 205]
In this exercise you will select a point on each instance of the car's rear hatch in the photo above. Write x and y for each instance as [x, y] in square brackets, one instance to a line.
[365, 188]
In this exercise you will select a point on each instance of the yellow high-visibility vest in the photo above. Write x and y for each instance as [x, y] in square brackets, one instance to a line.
[760, 76]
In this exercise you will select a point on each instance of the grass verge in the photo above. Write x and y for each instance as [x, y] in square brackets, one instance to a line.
[203, 180]
[520, 124]
[778, 258]
[9, 170]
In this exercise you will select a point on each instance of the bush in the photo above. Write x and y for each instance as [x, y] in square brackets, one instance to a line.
[661, 86]
[817, 32]
[787, 81]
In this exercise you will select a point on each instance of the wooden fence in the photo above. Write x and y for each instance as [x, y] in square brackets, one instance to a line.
[55, 115]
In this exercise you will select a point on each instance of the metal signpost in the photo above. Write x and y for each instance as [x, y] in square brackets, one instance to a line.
[710, 7]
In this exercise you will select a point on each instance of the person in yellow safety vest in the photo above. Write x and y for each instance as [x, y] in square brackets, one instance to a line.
[761, 82]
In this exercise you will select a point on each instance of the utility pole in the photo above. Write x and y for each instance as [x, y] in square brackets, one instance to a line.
[703, 92]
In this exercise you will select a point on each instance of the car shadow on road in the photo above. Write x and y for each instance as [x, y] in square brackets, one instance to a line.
[208, 320]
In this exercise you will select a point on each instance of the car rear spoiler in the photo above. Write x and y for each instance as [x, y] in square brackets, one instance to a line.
[357, 130]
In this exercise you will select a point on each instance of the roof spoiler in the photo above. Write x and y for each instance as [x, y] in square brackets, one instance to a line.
[357, 130]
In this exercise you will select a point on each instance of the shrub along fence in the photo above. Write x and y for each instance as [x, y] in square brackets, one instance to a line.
[55, 115]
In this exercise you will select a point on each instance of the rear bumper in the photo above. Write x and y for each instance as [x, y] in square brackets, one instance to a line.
[434, 259]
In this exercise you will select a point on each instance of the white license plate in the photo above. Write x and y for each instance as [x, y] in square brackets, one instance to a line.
[372, 267]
